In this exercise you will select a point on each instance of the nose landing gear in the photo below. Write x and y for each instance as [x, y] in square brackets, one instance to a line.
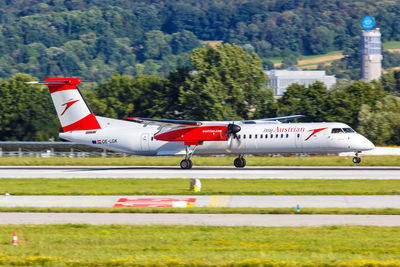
[356, 159]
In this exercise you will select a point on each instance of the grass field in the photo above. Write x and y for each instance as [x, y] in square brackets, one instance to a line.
[391, 45]
[104, 186]
[122, 245]
[205, 161]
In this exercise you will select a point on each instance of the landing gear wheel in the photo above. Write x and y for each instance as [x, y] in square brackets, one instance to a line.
[239, 162]
[243, 162]
[186, 164]
[356, 160]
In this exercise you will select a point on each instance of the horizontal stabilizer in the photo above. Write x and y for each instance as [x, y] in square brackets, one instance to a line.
[48, 82]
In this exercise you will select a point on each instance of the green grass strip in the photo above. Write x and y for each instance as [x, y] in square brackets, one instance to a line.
[391, 45]
[104, 186]
[204, 161]
[200, 210]
[133, 245]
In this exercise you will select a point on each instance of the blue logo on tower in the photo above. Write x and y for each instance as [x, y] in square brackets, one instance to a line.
[368, 23]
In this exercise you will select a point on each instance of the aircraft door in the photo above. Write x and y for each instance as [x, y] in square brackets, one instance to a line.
[298, 141]
[144, 141]
[339, 138]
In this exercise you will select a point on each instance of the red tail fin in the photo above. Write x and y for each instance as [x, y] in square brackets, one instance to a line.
[71, 107]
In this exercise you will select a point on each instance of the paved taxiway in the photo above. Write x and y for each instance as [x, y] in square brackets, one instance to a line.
[378, 202]
[199, 219]
[200, 172]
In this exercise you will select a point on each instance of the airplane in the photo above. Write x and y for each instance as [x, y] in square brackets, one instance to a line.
[165, 137]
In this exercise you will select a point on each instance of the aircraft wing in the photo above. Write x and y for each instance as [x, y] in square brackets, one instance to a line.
[183, 123]
[273, 119]
[164, 122]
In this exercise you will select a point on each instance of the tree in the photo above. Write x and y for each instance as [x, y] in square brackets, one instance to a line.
[27, 111]
[320, 40]
[311, 101]
[114, 98]
[391, 82]
[183, 42]
[381, 122]
[156, 45]
[226, 82]
[345, 104]
[123, 96]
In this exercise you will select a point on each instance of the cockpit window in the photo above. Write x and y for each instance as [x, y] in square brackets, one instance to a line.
[348, 130]
[342, 130]
[337, 130]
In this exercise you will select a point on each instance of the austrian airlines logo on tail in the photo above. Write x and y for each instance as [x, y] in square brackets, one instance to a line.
[68, 105]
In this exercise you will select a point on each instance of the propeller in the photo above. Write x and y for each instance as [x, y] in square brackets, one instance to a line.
[231, 133]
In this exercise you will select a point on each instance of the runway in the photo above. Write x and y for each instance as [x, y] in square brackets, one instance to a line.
[378, 202]
[201, 201]
[200, 172]
[268, 220]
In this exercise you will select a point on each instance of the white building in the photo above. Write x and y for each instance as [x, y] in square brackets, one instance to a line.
[282, 79]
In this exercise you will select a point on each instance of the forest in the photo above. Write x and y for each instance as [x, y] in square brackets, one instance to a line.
[151, 58]
[94, 39]
[222, 83]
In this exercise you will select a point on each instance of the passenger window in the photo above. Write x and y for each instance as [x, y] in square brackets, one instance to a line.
[255, 136]
[249, 136]
[266, 135]
[152, 138]
[244, 136]
[272, 136]
[287, 135]
[277, 135]
[261, 136]
[281, 135]
[298, 135]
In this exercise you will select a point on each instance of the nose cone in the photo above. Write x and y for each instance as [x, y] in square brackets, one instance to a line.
[362, 144]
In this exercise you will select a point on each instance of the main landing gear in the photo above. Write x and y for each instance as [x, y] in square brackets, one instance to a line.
[187, 163]
[356, 159]
[239, 162]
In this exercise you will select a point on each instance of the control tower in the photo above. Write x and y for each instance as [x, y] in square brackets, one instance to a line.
[371, 50]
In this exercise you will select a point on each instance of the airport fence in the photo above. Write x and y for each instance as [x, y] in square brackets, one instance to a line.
[52, 149]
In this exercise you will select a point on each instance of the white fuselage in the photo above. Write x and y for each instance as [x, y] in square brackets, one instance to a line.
[262, 138]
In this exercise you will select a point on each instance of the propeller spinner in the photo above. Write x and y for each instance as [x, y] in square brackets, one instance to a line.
[231, 133]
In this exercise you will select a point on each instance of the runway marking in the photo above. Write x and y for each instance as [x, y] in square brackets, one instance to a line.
[226, 201]
[151, 202]
[214, 201]
[219, 201]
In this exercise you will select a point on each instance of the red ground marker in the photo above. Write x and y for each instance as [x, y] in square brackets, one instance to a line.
[150, 202]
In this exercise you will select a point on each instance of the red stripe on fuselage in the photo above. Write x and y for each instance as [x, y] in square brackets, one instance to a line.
[87, 123]
[71, 85]
[194, 134]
